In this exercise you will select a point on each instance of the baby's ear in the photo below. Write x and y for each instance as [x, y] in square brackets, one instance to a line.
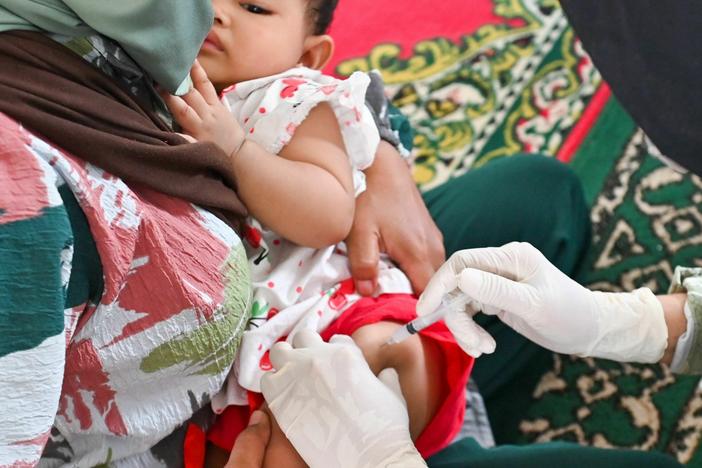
[318, 51]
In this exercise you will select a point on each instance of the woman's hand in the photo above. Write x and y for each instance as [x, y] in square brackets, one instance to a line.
[519, 285]
[391, 217]
[333, 409]
[202, 115]
[250, 446]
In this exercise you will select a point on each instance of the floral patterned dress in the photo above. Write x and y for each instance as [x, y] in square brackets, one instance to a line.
[121, 311]
[298, 287]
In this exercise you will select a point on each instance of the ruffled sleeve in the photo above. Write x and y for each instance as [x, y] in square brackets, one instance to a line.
[688, 352]
[271, 109]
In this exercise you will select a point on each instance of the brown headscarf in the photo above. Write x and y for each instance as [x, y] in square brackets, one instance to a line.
[59, 96]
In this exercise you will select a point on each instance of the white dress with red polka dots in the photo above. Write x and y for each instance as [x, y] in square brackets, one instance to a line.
[298, 287]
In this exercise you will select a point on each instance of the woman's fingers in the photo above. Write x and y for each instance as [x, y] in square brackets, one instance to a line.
[280, 354]
[470, 336]
[363, 245]
[250, 446]
[306, 339]
[498, 292]
[443, 282]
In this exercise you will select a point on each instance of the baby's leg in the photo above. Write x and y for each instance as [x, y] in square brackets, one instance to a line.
[419, 364]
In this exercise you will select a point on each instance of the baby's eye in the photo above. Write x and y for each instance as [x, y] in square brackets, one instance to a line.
[255, 9]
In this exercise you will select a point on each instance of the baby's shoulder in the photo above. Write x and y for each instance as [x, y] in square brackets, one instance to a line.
[270, 109]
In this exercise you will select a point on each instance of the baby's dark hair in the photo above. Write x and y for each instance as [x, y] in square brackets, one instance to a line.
[322, 13]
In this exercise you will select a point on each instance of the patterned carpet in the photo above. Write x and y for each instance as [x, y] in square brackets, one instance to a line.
[484, 79]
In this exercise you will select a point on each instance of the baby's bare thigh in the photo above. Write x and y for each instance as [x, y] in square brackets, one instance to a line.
[418, 362]
[405, 357]
[409, 358]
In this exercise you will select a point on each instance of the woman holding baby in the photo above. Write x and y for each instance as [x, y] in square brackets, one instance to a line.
[125, 290]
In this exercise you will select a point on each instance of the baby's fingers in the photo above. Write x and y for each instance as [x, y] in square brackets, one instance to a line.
[203, 84]
[186, 117]
[195, 100]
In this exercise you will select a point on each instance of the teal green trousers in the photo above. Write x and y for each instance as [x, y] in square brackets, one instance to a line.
[467, 453]
[537, 200]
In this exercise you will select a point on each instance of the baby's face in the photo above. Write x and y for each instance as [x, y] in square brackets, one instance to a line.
[252, 39]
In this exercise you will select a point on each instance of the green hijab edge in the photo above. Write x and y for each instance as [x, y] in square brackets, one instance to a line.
[162, 36]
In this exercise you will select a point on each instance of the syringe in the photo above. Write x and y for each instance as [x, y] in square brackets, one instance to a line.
[453, 301]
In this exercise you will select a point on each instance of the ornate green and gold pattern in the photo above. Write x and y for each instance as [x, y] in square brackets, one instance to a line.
[508, 88]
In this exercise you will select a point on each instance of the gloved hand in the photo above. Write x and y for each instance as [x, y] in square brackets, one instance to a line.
[333, 409]
[519, 285]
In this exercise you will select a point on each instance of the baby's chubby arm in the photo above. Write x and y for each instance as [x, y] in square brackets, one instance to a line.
[305, 193]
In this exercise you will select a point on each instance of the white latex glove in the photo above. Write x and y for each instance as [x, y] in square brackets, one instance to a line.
[334, 410]
[519, 285]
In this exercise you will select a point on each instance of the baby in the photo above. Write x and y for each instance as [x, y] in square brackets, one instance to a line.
[298, 142]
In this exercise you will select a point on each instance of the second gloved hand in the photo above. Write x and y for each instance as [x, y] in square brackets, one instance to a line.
[334, 410]
[519, 285]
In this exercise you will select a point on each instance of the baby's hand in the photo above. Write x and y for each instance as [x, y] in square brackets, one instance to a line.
[203, 116]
